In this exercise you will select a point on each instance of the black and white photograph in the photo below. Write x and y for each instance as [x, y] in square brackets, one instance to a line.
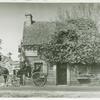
[49, 50]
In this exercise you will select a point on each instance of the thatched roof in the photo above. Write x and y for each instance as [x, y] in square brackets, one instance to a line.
[38, 32]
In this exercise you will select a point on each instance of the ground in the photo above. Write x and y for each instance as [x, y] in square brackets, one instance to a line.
[30, 90]
[51, 91]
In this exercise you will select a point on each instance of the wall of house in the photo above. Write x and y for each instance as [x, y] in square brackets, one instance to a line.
[51, 78]
[93, 70]
[73, 75]
[74, 72]
[95, 79]
[31, 60]
[47, 69]
[51, 71]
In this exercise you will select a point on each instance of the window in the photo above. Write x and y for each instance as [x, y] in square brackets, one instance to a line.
[31, 53]
[84, 69]
[38, 67]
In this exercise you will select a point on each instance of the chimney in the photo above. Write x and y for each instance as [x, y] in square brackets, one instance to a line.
[28, 19]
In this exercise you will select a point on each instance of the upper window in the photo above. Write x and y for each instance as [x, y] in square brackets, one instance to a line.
[31, 53]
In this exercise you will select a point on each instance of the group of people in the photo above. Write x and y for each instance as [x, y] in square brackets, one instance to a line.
[24, 71]
[21, 73]
[5, 73]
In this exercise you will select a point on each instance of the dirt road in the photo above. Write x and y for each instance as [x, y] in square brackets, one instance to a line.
[49, 94]
[50, 91]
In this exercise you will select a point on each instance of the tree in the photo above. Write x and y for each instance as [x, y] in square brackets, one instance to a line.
[80, 10]
[75, 41]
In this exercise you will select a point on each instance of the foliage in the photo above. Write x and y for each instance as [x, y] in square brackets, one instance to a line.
[75, 41]
[80, 10]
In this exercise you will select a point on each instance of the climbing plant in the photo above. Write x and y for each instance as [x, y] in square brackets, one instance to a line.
[75, 41]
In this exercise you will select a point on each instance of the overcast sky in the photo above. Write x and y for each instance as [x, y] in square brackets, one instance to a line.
[12, 17]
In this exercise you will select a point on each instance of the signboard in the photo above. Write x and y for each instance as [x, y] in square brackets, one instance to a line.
[31, 53]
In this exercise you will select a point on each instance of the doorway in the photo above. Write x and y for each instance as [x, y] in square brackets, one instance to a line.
[61, 78]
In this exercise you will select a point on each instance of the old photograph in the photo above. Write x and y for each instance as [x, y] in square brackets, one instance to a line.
[50, 50]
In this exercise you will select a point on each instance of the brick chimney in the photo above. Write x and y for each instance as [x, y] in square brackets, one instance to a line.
[28, 21]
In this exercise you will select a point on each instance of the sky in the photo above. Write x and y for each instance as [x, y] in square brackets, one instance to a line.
[12, 17]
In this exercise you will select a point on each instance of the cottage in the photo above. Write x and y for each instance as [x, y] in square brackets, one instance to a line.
[35, 33]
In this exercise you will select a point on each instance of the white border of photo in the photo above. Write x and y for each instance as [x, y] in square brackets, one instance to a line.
[50, 1]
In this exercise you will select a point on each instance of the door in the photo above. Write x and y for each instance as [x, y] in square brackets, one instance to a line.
[61, 74]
